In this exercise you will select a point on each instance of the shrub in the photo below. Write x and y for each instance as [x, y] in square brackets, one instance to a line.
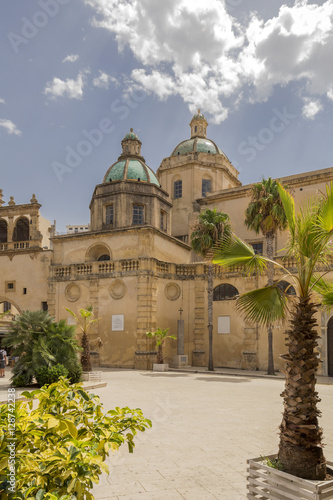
[61, 446]
[48, 375]
[39, 341]
[75, 374]
[20, 381]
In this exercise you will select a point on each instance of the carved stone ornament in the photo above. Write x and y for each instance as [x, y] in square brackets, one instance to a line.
[72, 292]
[172, 291]
[117, 289]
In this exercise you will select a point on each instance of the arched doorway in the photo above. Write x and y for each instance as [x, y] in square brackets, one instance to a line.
[330, 347]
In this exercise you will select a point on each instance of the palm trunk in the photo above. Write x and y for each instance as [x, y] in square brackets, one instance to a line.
[270, 277]
[159, 355]
[85, 357]
[210, 315]
[300, 448]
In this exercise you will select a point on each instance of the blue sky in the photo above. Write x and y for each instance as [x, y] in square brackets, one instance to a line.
[76, 75]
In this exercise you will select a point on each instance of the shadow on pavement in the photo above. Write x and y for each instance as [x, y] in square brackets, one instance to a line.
[210, 378]
[168, 374]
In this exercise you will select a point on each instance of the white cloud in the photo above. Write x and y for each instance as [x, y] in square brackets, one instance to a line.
[70, 88]
[311, 108]
[162, 84]
[9, 126]
[103, 80]
[2, 101]
[71, 58]
[198, 51]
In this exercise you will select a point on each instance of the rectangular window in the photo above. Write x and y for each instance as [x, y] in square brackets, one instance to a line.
[24, 291]
[10, 286]
[178, 189]
[163, 221]
[258, 247]
[45, 306]
[206, 186]
[76, 230]
[138, 214]
[223, 324]
[109, 215]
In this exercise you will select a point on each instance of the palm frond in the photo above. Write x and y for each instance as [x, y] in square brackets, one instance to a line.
[324, 288]
[233, 251]
[289, 209]
[264, 305]
[326, 215]
[211, 225]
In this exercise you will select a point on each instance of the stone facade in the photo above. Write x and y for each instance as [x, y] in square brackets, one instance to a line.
[134, 265]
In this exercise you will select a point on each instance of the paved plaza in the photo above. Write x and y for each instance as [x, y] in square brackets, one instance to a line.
[205, 427]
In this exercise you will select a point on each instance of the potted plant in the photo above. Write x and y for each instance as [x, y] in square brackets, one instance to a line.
[160, 336]
[310, 244]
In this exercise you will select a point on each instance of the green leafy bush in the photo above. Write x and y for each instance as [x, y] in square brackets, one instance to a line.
[20, 381]
[61, 446]
[48, 375]
[75, 374]
[40, 341]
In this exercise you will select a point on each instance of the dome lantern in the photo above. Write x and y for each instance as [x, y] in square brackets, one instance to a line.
[131, 144]
[198, 125]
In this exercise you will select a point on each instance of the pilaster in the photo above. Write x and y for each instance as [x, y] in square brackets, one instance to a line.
[198, 355]
[146, 321]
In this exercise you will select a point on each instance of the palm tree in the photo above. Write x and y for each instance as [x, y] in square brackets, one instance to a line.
[83, 322]
[310, 244]
[210, 228]
[160, 336]
[265, 213]
[40, 341]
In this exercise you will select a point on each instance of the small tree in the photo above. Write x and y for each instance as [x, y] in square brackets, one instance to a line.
[310, 245]
[265, 213]
[210, 228]
[84, 322]
[160, 336]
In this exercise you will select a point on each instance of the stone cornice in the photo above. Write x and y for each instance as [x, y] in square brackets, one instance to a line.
[124, 230]
[291, 181]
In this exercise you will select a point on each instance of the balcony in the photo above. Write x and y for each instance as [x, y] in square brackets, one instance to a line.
[19, 245]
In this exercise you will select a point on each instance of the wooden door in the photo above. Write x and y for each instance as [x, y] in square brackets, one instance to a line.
[330, 347]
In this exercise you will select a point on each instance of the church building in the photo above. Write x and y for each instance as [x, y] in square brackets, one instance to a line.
[135, 266]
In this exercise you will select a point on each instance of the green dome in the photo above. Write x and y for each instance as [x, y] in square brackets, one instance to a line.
[131, 169]
[197, 145]
[131, 135]
[199, 116]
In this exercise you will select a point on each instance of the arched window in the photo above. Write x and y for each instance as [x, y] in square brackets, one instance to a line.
[104, 257]
[3, 231]
[21, 230]
[98, 252]
[225, 292]
[286, 287]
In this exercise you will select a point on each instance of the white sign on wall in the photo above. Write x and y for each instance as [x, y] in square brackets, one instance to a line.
[117, 322]
[223, 324]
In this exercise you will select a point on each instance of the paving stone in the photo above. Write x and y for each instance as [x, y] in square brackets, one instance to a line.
[159, 495]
